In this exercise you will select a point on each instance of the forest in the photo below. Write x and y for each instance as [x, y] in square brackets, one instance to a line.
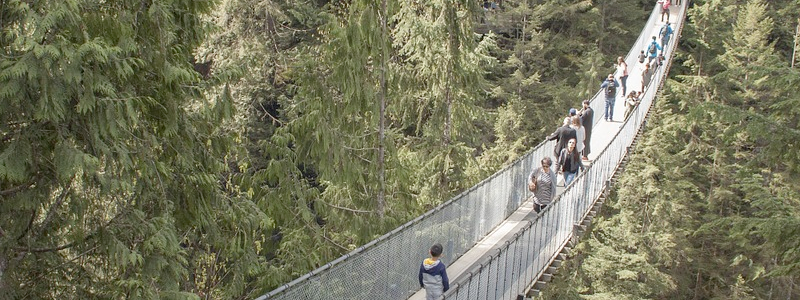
[185, 149]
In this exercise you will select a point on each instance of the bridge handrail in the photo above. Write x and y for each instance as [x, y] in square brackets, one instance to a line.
[508, 271]
[387, 264]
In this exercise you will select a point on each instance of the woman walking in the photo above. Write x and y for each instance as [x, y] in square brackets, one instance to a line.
[570, 162]
[580, 134]
[542, 182]
[622, 70]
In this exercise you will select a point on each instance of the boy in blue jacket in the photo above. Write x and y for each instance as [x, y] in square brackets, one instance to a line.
[433, 274]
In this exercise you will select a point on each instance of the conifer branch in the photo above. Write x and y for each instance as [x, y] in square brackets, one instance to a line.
[29, 249]
[66, 262]
[346, 209]
[49, 249]
[52, 211]
[266, 113]
[30, 224]
[333, 242]
[14, 190]
[359, 149]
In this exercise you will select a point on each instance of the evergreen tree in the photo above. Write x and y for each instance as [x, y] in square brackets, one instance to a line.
[709, 185]
[111, 153]
[443, 70]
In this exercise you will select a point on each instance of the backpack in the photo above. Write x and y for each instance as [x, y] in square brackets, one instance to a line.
[611, 89]
[652, 48]
[663, 31]
[642, 57]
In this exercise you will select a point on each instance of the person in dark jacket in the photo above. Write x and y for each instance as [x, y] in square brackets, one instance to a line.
[433, 274]
[609, 86]
[587, 119]
[562, 135]
[569, 162]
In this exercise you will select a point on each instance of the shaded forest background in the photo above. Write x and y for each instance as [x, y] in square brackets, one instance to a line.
[217, 149]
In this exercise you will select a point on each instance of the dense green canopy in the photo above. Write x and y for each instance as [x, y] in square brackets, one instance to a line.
[217, 149]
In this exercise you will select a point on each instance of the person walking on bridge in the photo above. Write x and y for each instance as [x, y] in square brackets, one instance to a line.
[569, 162]
[664, 9]
[664, 34]
[580, 133]
[622, 70]
[610, 87]
[647, 74]
[542, 182]
[652, 50]
[433, 274]
[562, 135]
[587, 119]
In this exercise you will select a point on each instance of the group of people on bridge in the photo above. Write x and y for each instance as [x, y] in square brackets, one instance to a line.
[573, 137]
[572, 141]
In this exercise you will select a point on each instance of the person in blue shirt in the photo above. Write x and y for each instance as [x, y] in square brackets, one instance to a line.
[433, 274]
[665, 33]
[652, 50]
[610, 86]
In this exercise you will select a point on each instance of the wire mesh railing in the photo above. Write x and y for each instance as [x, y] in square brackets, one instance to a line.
[537, 244]
[386, 267]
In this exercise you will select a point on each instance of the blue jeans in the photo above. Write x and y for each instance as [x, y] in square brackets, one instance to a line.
[609, 110]
[623, 80]
[569, 177]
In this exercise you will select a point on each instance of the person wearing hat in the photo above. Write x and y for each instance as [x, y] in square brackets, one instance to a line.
[572, 113]
[609, 86]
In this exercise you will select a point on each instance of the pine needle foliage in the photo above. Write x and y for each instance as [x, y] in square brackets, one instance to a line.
[709, 197]
[111, 153]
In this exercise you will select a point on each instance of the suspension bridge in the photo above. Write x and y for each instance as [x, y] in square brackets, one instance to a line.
[495, 246]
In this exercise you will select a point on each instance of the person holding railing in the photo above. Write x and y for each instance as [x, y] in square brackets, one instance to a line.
[631, 102]
[542, 182]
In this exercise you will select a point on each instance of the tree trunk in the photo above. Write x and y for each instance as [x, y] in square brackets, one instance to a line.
[3, 264]
[796, 42]
[382, 114]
